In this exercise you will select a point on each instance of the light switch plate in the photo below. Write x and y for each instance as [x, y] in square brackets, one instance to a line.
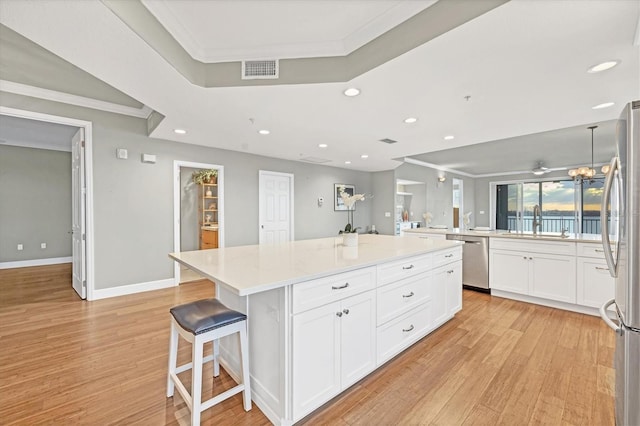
[148, 158]
[387, 214]
[122, 153]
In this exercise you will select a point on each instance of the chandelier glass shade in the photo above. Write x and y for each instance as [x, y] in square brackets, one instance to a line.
[585, 172]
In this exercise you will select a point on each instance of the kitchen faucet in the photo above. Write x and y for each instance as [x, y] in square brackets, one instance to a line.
[537, 219]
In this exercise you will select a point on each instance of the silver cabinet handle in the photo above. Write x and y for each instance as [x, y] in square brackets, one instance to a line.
[599, 251]
[600, 268]
[531, 258]
[450, 271]
[448, 255]
[346, 311]
[524, 257]
[339, 314]
[340, 286]
[406, 330]
[407, 295]
[607, 320]
[408, 267]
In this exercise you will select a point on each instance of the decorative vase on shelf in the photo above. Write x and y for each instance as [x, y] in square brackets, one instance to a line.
[350, 239]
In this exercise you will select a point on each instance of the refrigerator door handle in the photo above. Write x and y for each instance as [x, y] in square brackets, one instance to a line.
[604, 223]
[605, 317]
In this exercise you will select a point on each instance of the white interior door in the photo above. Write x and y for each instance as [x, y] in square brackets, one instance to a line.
[275, 207]
[78, 225]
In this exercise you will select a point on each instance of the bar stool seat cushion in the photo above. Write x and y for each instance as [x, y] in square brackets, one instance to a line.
[205, 315]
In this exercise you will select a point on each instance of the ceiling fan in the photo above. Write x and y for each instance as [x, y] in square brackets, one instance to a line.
[540, 169]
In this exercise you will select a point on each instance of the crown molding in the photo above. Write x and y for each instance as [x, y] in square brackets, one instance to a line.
[66, 98]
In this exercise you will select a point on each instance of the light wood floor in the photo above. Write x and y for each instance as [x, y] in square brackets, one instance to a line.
[64, 361]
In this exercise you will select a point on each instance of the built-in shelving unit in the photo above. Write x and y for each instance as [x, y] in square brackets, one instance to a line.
[208, 215]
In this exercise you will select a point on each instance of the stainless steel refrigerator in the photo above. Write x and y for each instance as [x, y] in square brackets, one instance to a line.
[620, 224]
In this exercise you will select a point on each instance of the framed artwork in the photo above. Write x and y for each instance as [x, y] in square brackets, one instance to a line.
[337, 199]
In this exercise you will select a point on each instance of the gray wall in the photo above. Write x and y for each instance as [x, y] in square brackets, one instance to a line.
[35, 203]
[133, 202]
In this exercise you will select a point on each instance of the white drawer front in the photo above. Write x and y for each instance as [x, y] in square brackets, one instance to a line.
[402, 332]
[447, 256]
[399, 297]
[399, 269]
[314, 293]
[534, 246]
[594, 250]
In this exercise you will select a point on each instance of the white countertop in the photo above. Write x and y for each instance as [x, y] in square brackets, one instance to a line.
[501, 233]
[256, 268]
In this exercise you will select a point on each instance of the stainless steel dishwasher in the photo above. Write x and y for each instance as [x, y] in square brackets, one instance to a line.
[475, 261]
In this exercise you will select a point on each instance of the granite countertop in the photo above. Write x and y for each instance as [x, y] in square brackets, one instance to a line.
[500, 233]
[253, 269]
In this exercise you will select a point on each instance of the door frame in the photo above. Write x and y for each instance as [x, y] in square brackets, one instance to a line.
[177, 165]
[88, 172]
[261, 176]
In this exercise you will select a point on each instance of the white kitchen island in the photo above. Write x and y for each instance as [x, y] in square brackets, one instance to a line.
[322, 316]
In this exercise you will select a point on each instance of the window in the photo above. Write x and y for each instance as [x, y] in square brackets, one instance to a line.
[564, 204]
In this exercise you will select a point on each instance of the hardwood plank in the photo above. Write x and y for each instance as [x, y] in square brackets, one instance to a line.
[66, 361]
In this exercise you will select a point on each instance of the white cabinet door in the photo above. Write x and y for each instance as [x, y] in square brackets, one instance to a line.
[509, 271]
[316, 358]
[454, 288]
[553, 277]
[594, 284]
[334, 346]
[357, 337]
[439, 282]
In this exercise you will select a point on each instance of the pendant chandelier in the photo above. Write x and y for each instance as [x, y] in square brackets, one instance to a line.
[585, 172]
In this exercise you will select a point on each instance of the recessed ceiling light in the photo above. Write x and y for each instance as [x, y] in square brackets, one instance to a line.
[322, 145]
[602, 66]
[352, 91]
[410, 120]
[264, 132]
[448, 138]
[179, 131]
[364, 156]
[347, 162]
[604, 105]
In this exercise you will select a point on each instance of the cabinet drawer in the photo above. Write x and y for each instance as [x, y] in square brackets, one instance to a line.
[534, 246]
[400, 333]
[594, 250]
[397, 298]
[314, 293]
[399, 269]
[447, 256]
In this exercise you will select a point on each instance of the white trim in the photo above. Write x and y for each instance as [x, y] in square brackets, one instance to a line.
[66, 98]
[261, 174]
[435, 166]
[36, 145]
[123, 290]
[88, 162]
[177, 164]
[546, 302]
[35, 262]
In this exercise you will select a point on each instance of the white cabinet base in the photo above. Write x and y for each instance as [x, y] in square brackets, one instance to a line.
[545, 302]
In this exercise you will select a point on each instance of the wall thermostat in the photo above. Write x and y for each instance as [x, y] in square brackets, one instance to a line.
[320, 201]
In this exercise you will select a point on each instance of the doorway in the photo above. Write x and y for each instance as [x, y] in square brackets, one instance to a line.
[82, 258]
[458, 196]
[186, 230]
[275, 207]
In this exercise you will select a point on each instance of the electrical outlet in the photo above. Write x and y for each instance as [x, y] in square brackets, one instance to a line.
[20, 247]
[43, 245]
[387, 214]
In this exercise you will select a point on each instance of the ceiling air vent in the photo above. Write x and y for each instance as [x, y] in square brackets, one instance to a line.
[252, 70]
[315, 160]
[387, 140]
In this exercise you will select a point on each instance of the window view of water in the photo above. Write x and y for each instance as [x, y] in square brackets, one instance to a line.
[564, 204]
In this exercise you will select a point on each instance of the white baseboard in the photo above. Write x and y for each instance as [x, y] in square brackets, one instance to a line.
[546, 302]
[132, 288]
[35, 262]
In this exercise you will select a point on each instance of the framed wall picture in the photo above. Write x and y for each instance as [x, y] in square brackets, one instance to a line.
[337, 199]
